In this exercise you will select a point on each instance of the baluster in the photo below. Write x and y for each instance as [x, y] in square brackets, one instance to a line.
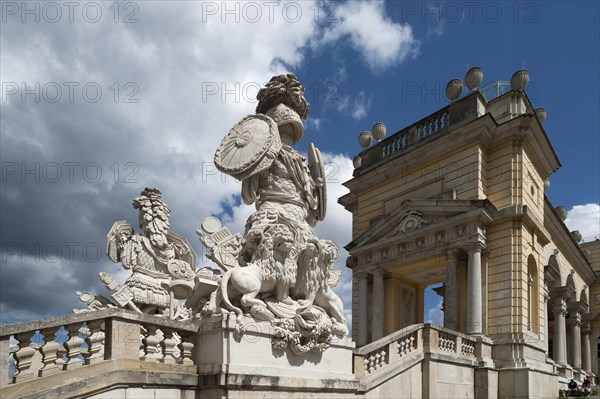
[152, 347]
[95, 336]
[23, 358]
[186, 346]
[73, 346]
[143, 335]
[61, 358]
[5, 360]
[169, 346]
[50, 352]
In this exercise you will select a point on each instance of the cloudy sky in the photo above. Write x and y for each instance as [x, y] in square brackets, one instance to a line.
[102, 99]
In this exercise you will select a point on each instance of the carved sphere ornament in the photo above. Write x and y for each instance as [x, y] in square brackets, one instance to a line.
[519, 80]
[473, 78]
[541, 114]
[246, 145]
[379, 131]
[365, 139]
[454, 89]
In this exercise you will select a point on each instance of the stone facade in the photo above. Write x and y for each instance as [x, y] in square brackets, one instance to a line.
[458, 198]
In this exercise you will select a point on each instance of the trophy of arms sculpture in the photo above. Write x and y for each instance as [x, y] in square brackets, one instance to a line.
[162, 263]
[278, 270]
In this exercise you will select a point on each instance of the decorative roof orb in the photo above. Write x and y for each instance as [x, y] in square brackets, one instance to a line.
[576, 236]
[541, 114]
[365, 139]
[546, 184]
[454, 89]
[519, 80]
[357, 162]
[473, 78]
[562, 212]
[378, 131]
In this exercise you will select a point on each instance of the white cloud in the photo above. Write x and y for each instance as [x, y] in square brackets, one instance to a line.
[586, 219]
[362, 104]
[435, 315]
[313, 123]
[357, 107]
[382, 42]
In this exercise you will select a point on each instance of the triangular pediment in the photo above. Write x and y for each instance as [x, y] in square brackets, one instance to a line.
[414, 215]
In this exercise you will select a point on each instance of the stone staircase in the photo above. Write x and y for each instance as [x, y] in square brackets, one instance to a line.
[383, 361]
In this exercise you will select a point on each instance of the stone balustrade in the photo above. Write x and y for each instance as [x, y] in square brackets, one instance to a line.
[407, 137]
[420, 340]
[432, 124]
[34, 350]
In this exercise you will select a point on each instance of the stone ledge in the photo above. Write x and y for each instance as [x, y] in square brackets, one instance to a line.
[10, 329]
[104, 376]
[249, 382]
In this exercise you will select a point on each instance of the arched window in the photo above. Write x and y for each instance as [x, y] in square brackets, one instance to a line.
[533, 297]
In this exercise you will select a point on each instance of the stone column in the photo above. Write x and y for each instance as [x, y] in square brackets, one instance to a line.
[377, 308]
[451, 291]
[546, 298]
[560, 331]
[586, 351]
[363, 309]
[575, 321]
[474, 297]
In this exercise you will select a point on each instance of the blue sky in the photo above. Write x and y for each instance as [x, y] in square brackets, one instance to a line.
[148, 89]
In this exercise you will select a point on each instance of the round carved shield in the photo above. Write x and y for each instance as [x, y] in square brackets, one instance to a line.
[243, 150]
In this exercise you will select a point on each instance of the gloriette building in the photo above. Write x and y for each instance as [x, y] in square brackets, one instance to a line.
[458, 198]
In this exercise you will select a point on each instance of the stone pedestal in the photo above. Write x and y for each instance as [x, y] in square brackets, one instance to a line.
[248, 366]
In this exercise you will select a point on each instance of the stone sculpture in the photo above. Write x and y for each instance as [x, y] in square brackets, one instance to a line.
[278, 270]
[162, 263]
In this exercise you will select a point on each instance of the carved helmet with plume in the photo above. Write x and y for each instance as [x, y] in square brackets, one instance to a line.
[283, 100]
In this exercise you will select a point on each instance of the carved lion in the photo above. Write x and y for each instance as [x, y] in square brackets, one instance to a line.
[263, 274]
[313, 269]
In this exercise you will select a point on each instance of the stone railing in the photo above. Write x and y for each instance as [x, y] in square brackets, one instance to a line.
[407, 137]
[400, 350]
[433, 124]
[34, 350]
